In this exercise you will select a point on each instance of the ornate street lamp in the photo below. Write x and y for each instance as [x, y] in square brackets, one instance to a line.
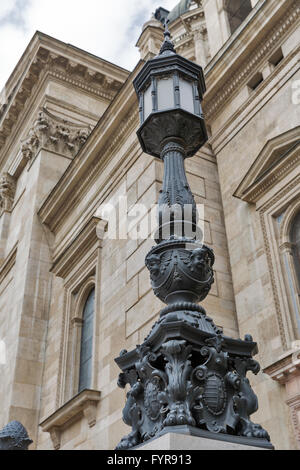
[187, 376]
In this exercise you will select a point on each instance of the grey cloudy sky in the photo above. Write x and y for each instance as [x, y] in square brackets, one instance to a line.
[106, 28]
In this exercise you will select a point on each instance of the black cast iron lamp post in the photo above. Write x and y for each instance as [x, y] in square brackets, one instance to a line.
[187, 376]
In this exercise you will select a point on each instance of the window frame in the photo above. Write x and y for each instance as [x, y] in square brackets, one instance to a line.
[78, 321]
[285, 247]
[80, 268]
[230, 16]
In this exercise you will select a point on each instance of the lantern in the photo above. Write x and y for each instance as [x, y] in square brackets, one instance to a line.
[170, 90]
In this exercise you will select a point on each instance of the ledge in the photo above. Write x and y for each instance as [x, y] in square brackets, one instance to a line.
[278, 157]
[85, 403]
[184, 437]
[286, 367]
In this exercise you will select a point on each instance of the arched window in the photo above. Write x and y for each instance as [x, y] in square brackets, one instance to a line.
[237, 11]
[295, 241]
[86, 344]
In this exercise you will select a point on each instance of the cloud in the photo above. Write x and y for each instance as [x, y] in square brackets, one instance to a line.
[104, 28]
[6, 7]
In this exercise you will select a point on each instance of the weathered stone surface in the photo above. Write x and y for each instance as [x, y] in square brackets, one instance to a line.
[55, 197]
[178, 441]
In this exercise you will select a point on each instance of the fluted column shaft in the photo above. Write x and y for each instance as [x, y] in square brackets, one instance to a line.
[177, 208]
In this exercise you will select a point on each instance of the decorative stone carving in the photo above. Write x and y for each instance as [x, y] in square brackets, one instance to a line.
[14, 437]
[56, 134]
[7, 192]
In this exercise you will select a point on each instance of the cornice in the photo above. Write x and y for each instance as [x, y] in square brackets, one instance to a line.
[256, 100]
[285, 368]
[187, 18]
[99, 78]
[8, 263]
[221, 91]
[55, 134]
[276, 160]
[186, 39]
[274, 177]
[81, 76]
[7, 192]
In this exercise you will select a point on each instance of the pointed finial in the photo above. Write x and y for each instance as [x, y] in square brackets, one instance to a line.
[167, 46]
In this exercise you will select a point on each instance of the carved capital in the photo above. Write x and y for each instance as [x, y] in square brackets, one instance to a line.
[7, 192]
[55, 134]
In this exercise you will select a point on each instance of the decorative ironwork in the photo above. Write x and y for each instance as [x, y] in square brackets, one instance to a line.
[167, 46]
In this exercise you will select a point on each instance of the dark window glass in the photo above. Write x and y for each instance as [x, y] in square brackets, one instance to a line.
[295, 240]
[237, 11]
[86, 348]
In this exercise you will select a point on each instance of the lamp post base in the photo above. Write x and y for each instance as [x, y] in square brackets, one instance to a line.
[186, 377]
[189, 438]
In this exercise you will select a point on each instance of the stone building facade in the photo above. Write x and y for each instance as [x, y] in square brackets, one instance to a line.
[71, 297]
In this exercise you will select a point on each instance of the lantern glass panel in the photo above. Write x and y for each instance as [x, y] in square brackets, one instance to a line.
[147, 102]
[165, 93]
[186, 95]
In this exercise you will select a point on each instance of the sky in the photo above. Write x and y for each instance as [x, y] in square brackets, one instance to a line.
[106, 28]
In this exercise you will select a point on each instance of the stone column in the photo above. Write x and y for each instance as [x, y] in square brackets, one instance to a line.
[200, 47]
[286, 371]
[150, 39]
[47, 151]
[217, 24]
[7, 194]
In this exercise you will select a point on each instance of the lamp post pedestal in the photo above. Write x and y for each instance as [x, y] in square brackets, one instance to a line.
[184, 439]
[187, 373]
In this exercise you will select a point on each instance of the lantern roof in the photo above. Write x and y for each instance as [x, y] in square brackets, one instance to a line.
[167, 47]
[168, 61]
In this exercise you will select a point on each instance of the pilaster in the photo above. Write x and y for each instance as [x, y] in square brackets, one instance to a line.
[7, 194]
[150, 39]
[217, 24]
[286, 371]
[44, 156]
